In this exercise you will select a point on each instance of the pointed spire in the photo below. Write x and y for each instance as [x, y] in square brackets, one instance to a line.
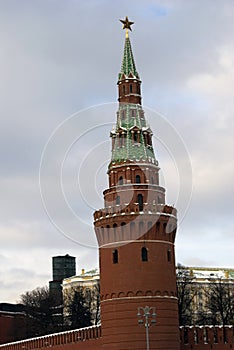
[128, 79]
[128, 64]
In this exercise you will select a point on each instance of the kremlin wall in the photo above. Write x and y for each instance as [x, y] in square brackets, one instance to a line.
[136, 232]
[199, 338]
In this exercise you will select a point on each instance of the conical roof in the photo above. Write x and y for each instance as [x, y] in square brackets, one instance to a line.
[128, 64]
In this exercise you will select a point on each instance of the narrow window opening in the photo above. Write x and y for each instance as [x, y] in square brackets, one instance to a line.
[117, 201]
[140, 201]
[169, 255]
[124, 89]
[135, 137]
[115, 256]
[149, 140]
[138, 179]
[123, 140]
[144, 254]
[130, 88]
[121, 180]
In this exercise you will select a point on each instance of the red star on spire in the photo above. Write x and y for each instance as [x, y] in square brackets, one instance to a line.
[126, 23]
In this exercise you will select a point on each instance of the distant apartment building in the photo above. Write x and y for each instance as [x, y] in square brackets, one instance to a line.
[202, 281]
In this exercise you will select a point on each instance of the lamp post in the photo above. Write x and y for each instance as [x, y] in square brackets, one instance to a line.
[149, 315]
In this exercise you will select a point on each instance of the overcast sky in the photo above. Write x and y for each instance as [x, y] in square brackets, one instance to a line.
[59, 62]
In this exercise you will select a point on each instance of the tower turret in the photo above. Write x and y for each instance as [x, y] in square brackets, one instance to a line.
[135, 230]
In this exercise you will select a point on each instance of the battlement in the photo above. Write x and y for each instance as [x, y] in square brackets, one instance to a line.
[89, 338]
[121, 209]
[83, 338]
[206, 337]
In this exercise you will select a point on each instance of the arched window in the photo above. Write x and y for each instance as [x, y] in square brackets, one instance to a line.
[140, 201]
[121, 180]
[144, 254]
[115, 256]
[138, 179]
[122, 139]
[132, 113]
[135, 137]
[117, 201]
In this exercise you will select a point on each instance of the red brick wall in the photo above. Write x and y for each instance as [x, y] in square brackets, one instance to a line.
[198, 338]
[6, 327]
[12, 326]
[205, 337]
[83, 339]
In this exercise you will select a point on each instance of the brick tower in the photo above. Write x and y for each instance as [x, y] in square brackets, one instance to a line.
[135, 230]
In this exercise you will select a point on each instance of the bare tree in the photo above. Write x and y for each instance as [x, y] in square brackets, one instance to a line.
[220, 301]
[185, 295]
[39, 310]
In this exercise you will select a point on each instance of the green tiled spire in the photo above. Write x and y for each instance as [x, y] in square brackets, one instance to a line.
[128, 64]
[130, 121]
[131, 137]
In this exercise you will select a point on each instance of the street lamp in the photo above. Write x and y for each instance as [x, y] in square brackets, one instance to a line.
[149, 315]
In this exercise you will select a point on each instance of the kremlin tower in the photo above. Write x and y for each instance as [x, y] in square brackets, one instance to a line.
[136, 231]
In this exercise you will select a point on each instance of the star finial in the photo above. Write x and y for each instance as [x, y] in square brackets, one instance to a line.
[126, 24]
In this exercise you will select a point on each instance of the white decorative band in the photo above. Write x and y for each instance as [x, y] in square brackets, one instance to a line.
[136, 241]
[142, 297]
